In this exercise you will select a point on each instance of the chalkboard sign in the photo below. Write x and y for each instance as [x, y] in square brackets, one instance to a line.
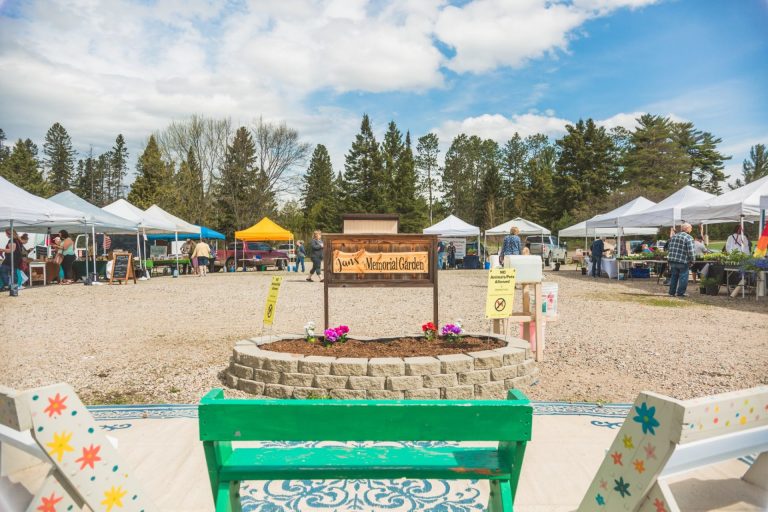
[122, 267]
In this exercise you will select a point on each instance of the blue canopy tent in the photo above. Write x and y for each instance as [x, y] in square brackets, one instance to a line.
[204, 233]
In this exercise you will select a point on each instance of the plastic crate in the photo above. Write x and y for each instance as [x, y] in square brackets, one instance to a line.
[640, 273]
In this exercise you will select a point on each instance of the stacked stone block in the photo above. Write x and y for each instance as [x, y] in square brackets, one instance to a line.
[487, 374]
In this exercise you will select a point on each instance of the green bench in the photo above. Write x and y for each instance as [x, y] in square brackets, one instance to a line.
[223, 421]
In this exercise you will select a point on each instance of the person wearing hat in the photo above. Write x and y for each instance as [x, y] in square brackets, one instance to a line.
[186, 254]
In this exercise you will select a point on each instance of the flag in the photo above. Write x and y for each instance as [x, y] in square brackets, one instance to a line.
[107, 242]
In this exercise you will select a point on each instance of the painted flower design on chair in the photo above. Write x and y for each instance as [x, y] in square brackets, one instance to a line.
[645, 418]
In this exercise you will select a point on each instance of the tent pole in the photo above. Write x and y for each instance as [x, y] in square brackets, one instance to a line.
[236, 253]
[95, 250]
[87, 242]
[12, 288]
[176, 236]
[743, 238]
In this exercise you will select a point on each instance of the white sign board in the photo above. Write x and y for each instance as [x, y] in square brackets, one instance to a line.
[459, 243]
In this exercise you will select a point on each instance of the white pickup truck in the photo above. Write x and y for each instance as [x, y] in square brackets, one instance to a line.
[552, 254]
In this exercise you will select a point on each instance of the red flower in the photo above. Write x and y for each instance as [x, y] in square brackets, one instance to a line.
[429, 326]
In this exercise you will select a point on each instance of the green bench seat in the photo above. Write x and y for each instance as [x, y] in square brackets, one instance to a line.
[224, 421]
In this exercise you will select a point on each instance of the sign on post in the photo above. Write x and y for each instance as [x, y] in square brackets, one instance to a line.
[501, 293]
[269, 308]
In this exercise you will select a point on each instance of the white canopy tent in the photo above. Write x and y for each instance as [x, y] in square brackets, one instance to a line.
[452, 226]
[147, 222]
[737, 205]
[666, 212]
[763, 208]
[611, 219]
[95, 218]
[526, 227]
[180, 225]
[580, 231]
[19, 208]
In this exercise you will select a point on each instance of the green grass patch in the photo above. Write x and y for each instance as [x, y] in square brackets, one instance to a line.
[649, 300]
[717, 246]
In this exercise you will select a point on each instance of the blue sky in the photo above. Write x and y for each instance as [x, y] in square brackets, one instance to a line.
[485, 67]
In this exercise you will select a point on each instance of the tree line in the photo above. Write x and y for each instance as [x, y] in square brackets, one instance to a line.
[208, 172]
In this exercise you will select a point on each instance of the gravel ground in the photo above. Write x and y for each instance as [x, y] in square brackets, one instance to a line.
[167, 340]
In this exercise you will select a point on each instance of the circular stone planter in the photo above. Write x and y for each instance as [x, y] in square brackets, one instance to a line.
[480, 375]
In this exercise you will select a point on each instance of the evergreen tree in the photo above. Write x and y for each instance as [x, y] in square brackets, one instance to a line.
[85, 184]
[319, 194]
[363, 187]
[755, 167]
[409, 204]
[119, 168]
[242, 193]
[709, 164]
[189, 187]
[101, 172]
[5, 151]
[391, 154]
[427, 151]
[490, 202]
[22, 168]
[656, 162]
[586, 170]
[154, 179]
[515, 186]
[540, 170]
[59, 157]
[462, 175]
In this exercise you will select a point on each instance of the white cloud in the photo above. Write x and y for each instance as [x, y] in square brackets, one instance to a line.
[628, 120]
[501, 128]
[487, 34]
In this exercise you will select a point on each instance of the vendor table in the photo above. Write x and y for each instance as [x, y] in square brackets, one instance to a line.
[609, 267]
[78, 268]
[733, 276]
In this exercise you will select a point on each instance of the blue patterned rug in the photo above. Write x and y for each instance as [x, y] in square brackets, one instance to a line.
[359, 495]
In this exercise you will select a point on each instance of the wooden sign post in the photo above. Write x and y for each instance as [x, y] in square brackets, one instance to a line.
[382, 260]
[122, 267]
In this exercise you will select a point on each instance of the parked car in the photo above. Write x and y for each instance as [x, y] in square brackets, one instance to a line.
[257, 254]
[547, 246]
[289, 249]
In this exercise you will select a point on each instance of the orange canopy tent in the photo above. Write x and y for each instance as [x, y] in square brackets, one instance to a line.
[265, 229]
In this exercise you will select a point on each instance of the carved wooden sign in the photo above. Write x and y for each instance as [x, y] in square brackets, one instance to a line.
[380, 260]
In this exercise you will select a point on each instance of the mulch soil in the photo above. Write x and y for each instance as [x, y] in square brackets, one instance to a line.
[394, 347]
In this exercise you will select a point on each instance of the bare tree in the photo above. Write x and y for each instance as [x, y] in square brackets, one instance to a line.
[279, 153]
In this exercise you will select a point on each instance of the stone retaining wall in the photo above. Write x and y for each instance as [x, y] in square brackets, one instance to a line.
[485, 374]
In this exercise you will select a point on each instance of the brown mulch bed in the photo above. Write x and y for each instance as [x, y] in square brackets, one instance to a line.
[394, 347]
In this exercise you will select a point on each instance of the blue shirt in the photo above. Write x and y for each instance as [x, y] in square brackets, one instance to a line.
[598, 247]
[511, 245]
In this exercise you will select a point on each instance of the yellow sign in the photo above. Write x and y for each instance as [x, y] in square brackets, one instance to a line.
[269, 308]
[364, 262]
[501, 293]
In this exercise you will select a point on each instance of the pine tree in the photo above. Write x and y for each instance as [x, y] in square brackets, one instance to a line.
[59, 157]
[540, 171]
[409, 204]
[319, 194]
[242, 194]
[363, 190]
[755, 167]
[427, 151]
[586, 171]
[5, 151]
[85, 184]
[101, 172]
[515, 186]
[154, 179]
[709, 164]
[22, 168]
[119, 168]
[462, 175]
[391, 154]
[189, 190]
[655, 162]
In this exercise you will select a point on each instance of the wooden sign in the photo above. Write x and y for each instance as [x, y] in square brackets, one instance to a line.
[501, 293]
[380, 260]
[122, 267]
[364, 262]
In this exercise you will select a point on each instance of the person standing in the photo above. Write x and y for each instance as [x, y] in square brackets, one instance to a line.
[186, 255]
[12, 248]
[511, 245]
[192, 260]
[301, 253]
[680, 255]
[451, 255]
[441, 255]
[200, 255]
[596, 250]
[316, 254]
[67, 250]
[738, 241]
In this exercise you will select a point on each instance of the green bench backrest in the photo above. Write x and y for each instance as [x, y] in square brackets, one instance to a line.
[364, 420]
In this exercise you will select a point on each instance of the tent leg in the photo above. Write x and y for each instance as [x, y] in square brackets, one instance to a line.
[14, 292]
[95, 250]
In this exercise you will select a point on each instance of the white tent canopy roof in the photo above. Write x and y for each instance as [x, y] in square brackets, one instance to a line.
[452, 226]
[30, 211]
[580, 231]
[666, 212]
[95, 216]
[611, 219]
[182, 226]
[147, 222]
[526, 227]
[731, 206]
